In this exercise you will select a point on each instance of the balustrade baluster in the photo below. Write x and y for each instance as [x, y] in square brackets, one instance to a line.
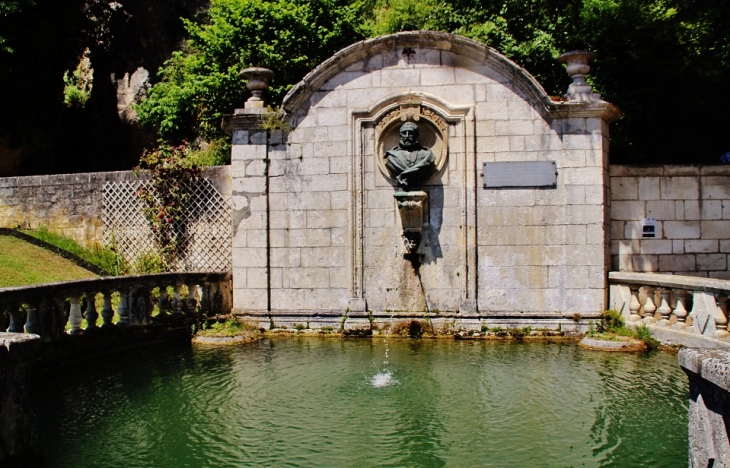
[15, 325]
[634, 304]
[162, 302]
[176, 302]
[664, 308]
[107, 313]
[205, 299]
[680, 309]
[191, 303]
[649, 305]
[31, 321]
[74, 316]
[91, 314]
[721, 316]
[123, 308]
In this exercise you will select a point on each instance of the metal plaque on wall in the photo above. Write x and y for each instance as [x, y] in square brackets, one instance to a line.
[520, 174]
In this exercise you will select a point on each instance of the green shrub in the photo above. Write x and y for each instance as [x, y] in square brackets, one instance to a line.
[643, 333]
[150, 262]
[232, 326]
[611, 321]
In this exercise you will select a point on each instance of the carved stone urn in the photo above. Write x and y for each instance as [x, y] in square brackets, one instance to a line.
[258, 81]
[576, 62]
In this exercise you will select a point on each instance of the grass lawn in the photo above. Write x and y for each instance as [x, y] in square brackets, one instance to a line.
[23, 263]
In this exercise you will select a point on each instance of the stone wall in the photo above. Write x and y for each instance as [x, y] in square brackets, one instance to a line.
[709, 406]
[691, 206]
[71, 204]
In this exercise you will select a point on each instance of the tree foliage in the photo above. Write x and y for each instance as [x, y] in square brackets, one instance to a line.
[663, 62]
[202, 81]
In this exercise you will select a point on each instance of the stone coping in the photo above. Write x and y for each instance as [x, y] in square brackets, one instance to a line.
[19, 344]
[299, 95]
[712, 365]
[693, 283]
[17, 293]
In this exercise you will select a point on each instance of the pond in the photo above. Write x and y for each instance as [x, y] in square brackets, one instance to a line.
[306, 402]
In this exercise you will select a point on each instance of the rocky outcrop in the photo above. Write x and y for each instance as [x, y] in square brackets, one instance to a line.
[128, 43]
[130, 91]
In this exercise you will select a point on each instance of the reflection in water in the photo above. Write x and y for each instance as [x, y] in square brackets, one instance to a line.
[310, 402]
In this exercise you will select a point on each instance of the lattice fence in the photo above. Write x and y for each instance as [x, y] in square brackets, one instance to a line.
[206, 222]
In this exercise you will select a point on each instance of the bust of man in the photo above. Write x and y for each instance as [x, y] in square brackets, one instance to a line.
[409, 162]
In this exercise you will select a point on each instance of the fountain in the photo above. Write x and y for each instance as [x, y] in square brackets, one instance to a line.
[421, 175]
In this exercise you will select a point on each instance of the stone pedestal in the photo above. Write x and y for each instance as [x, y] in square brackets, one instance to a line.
[17, 351]
[411, 207]
[709, 405]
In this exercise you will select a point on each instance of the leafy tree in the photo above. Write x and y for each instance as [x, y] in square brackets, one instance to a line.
[201, 82]
[663, 62]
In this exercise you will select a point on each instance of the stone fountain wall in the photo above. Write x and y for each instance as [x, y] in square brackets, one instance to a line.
[316, 229]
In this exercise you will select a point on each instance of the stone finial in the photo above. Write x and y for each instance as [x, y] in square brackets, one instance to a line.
[257, 83]
[576, 62]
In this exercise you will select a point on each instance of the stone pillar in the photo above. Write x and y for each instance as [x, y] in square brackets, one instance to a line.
[250, 199]
[709, 405]
[17, 351]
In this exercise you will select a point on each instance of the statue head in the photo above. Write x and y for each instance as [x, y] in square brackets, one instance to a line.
[408, 134]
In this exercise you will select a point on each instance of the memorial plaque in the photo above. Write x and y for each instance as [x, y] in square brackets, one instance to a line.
[520, 174]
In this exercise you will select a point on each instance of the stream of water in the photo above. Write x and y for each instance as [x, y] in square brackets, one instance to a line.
[307, 402]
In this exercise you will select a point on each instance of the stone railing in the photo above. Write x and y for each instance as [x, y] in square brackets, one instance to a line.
[53, 310]
[685, 304]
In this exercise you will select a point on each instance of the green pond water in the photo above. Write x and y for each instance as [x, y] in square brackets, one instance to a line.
[308, 402]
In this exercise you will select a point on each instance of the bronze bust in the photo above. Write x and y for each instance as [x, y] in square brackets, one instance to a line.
[409, 162]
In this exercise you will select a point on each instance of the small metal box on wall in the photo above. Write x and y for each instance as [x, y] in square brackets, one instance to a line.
[648, 228]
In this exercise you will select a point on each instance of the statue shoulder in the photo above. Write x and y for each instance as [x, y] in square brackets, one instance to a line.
[425, 150]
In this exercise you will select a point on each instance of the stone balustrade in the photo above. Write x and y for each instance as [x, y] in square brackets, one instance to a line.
[683, 304]
[53, 310]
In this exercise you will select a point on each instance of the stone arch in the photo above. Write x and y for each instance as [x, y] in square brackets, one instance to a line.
[482, 54]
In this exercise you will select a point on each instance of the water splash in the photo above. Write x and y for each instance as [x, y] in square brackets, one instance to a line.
[383, 379]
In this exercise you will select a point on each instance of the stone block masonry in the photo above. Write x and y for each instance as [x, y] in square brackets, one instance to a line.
[691, 209]
[318, 232]
[71, 204]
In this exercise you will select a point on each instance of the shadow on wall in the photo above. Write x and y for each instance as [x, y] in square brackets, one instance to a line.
[430, 243]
